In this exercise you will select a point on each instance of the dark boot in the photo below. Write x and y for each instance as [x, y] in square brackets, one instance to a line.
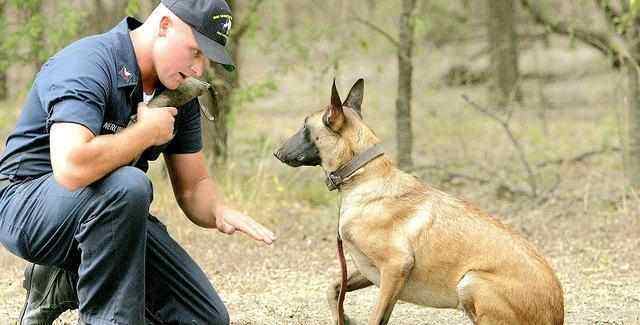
[50, 292]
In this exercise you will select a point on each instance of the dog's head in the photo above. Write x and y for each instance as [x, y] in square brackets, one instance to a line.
[331, 136]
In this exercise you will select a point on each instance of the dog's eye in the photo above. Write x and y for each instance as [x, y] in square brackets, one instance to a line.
[317, 138]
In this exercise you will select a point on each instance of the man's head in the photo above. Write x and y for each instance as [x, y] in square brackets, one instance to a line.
[188, 33]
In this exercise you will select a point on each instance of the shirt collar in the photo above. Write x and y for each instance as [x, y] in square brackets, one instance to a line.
[126, 63]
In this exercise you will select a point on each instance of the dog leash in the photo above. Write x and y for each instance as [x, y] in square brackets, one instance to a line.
[343, 269]
[333, 182]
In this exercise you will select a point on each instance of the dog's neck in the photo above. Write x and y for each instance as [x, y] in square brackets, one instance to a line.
[337, 177]
[381, 165]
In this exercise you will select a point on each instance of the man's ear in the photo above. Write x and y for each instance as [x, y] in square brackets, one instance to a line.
[165, 23]
[354, 99]
[333, 117]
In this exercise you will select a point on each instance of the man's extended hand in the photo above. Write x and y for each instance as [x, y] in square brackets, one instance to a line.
[230, 221]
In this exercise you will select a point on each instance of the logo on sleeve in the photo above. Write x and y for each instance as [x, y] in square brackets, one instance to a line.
[125, 74]
[111, 127]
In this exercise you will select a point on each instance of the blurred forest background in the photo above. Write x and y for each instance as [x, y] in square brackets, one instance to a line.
[531, 109]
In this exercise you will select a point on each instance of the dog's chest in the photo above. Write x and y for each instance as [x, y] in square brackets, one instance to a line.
[363, 263]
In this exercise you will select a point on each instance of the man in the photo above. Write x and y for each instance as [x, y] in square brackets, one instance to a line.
[69, 202]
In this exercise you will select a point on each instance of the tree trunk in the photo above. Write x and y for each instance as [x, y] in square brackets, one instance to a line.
[403, 102]
[146, 7]
[632, 154]
[218, 101]
[3, 85]
[3, 70]
[503, 42]
[107, 14]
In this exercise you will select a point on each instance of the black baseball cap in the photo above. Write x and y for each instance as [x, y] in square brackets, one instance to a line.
[210, 21]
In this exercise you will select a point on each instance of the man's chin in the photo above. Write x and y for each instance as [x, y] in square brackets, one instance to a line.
[171, 85]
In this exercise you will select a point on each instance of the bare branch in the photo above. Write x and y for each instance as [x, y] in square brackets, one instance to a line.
[379, 30]
[450, 176]
[579, 158]
[516, 144]
[608, 44]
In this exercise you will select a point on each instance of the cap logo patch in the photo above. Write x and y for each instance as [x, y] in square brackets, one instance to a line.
[223, 24]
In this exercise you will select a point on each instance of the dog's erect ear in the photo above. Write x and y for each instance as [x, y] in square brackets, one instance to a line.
[354, 100]
[335, 97]
[333, 117]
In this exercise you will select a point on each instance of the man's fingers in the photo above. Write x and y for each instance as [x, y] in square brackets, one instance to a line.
[267, 234]
[256, 235]
[245, 224]
[172, 110]
[224, 227]
[258, 232]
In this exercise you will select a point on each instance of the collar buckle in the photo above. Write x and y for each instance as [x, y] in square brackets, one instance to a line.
[336, 178]
[333, 181]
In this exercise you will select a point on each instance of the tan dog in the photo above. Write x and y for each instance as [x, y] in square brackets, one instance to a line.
[416, 243]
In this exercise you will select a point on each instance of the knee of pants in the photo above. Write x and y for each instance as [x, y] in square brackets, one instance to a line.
[219, 317]
[215, 314]
[130, 185]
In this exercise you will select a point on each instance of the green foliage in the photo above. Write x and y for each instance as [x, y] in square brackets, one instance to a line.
[253, 92]
[634, 6]
[627, 18]
[440, 22]
[35, 35]
[133, 8]
[249, 94]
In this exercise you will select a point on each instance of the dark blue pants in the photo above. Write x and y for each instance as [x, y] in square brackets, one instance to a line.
[124, 258]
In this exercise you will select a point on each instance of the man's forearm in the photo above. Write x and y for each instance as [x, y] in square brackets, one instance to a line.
[105, 153]
[202, 204]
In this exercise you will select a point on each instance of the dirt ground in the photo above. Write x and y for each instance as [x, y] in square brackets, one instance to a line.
[595, 257]
[587, 227]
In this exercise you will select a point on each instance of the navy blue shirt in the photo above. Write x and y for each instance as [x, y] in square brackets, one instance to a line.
[94, 82]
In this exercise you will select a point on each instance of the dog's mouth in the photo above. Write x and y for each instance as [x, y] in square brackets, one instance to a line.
[297, 160]
[299, 151]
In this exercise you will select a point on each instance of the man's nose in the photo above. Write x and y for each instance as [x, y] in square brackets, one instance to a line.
[197, 70]
[199, 67]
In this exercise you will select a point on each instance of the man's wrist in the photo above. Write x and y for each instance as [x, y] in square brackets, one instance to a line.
[218, 212]
[144, 133]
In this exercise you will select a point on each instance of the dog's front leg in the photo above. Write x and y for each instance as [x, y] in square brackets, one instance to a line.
[355, 281]
[393, 275]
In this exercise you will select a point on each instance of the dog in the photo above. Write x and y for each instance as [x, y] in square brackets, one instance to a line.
[417, 243]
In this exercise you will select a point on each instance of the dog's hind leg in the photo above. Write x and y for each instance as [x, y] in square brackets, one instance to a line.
[355, 281]
[484, 302]
[393, 276]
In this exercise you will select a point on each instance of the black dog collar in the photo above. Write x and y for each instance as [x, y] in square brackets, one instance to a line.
[337, 177]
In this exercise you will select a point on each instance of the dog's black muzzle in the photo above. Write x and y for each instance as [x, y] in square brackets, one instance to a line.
[299, 151]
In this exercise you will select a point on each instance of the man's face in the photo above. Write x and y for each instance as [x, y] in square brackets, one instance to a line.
[176, 54]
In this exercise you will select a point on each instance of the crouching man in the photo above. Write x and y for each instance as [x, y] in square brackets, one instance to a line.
[69, 201]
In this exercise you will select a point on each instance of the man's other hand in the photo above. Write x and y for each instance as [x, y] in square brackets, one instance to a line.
[158, 121]
[232, 220]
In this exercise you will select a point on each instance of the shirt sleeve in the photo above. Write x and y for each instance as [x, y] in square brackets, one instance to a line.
[188, 138]
[75, 91]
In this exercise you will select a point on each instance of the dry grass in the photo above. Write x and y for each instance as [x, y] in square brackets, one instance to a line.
[588, 228]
